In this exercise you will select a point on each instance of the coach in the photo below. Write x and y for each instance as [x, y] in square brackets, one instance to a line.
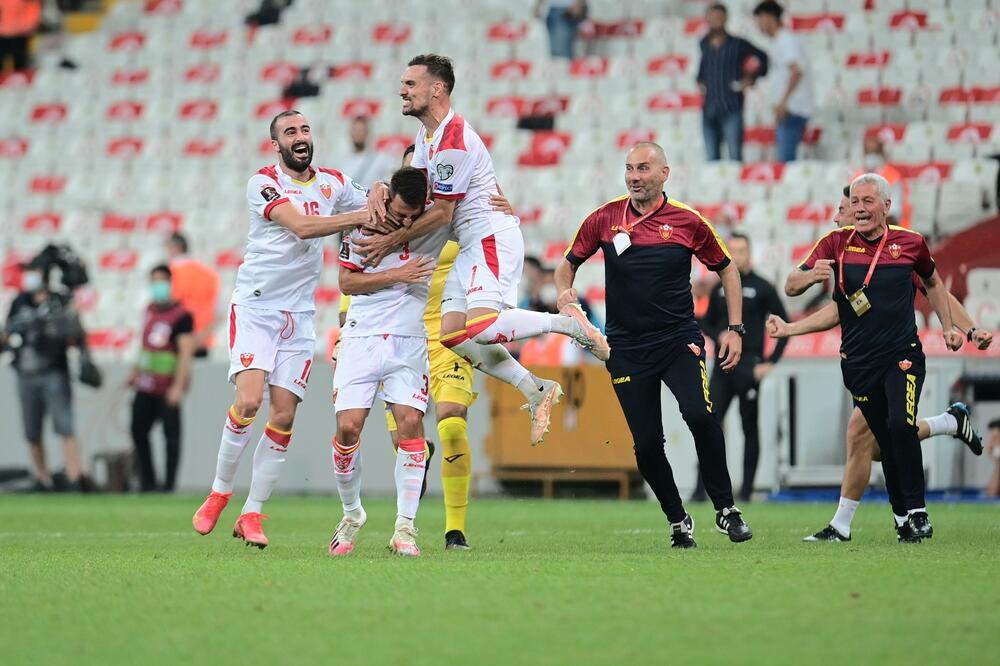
[881, 357]
[647, 240]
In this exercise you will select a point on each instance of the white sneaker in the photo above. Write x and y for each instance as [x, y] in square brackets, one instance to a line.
[345, 535]
[540, 409]
[404, 541]
[587, 336]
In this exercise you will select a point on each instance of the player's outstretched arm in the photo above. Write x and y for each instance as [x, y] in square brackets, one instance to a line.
[822, 320]
[416, 270]
[377, 246]
[799, 280]
[938, 296]
[316, 226]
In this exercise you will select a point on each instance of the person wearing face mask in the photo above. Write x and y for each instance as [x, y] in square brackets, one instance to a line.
[874, 160]
[40, 328]
[160, 378]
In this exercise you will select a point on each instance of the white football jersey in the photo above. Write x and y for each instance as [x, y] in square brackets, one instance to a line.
[280, 271]
[399, 308]
[460, 169]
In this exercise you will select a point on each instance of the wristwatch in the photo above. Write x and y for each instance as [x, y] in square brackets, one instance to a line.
[970, 333]
[739, 329]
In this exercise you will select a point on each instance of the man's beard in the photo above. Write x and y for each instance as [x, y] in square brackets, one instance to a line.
[293, 161]
[414, 110]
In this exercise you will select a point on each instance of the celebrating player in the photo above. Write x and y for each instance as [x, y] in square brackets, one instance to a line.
[478, 305]
[271, 338]
[385, 345]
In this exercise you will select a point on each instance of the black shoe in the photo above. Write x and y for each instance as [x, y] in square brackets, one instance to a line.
[455, 540]
[730, 521]
[828, 533]
[682, 533]
[427, 466]
[966, 432]
[920, 525]
[904, 534]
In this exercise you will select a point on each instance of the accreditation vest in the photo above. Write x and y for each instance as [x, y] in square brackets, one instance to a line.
[158, 358]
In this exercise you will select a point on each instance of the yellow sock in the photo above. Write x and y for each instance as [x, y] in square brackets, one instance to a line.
[455, 470]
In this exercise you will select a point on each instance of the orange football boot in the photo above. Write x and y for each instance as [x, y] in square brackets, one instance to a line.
[208, 513]
[248, 528]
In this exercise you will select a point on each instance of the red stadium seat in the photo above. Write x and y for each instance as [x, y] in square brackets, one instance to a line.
[85, 298]
[124, 146]
[550, 105]
[198, 109]
[878, 59]
[629, 138]
[47, 184]
[529, 216]
[969, 132]
[123, 259]
[20, 79]
[888, 133]
[281, 73]
[229, 259]
[812, 135]
[554, 252]
[208, 39]
[199, 147]
[595, 293]
[883, 96]
[955, 95]
[390, 32]
[330, 256]
[163, 7]
[352, 71]
[42, 223]
[354, 108]
[511, 70]
[762, 172]
[986, 95]
[546, 149]
[928, 172]
[763, 135]
[13, 147]
[11, 270]
[205, 72]
[125, 110]
[312, 35]
[508, 105]
[675, 101]
[117, 223]
[590, 67]
[132, 40]
[695, 27]
[812, 213]
[50, 113]
[109, 338]
[125, 76]
[671, 64]
[163, 222]
[817, 23]
[487, 140]
[327, 295]
[270, 108]
[908, 20]
[394, 144]
[733, 210]
[507, 31]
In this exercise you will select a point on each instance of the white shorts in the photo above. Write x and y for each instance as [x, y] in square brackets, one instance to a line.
[280, 343]
[486, 274]
[392, 367]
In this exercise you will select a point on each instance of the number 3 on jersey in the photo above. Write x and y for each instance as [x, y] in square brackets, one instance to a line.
[311, 207]
[406, 251]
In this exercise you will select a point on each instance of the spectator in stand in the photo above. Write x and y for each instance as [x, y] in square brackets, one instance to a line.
[993, 448]
[195, 285]
[562, 18]
[364, 164]
[875, 161]
[161, 378]
[790, 80]
[729, 65]
[19, 21]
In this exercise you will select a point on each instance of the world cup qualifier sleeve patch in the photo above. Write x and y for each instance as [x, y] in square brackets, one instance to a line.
[445, 171]
[269, 193]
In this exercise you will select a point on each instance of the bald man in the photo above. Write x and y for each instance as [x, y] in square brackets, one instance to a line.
[648, 239]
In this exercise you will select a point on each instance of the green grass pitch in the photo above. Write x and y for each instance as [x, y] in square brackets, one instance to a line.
[124, 580]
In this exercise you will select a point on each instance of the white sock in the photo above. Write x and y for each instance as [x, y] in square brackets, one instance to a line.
[900, 520]
[411, 458]
[942, 424]
[347, 469]
[235, 435]
[922, 509]
[267, 462]
[845, 514]
[494, 360]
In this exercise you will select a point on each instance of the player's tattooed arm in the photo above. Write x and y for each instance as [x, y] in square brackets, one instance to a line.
[822, 320]
[377, 246]
[416, 270]
[315, 226]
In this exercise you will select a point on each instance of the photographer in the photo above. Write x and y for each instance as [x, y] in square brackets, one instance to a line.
[40, 328]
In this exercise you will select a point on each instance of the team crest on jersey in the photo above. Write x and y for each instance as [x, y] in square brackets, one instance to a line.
[695, 349]
[445, 171]
[895, 250]
[326, 190]
[269, 193]
[246, 360]
[665, 231]
[905, 364]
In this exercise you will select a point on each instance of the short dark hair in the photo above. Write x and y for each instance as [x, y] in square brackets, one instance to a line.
[161, 268]
[410, 149]
[718, 6]
[769, 7]
[411, 186]
[534, 261]
[178, 239]
[995, 423]
[274, 121]
[737, 235]
[847, 191]
[438, 66]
